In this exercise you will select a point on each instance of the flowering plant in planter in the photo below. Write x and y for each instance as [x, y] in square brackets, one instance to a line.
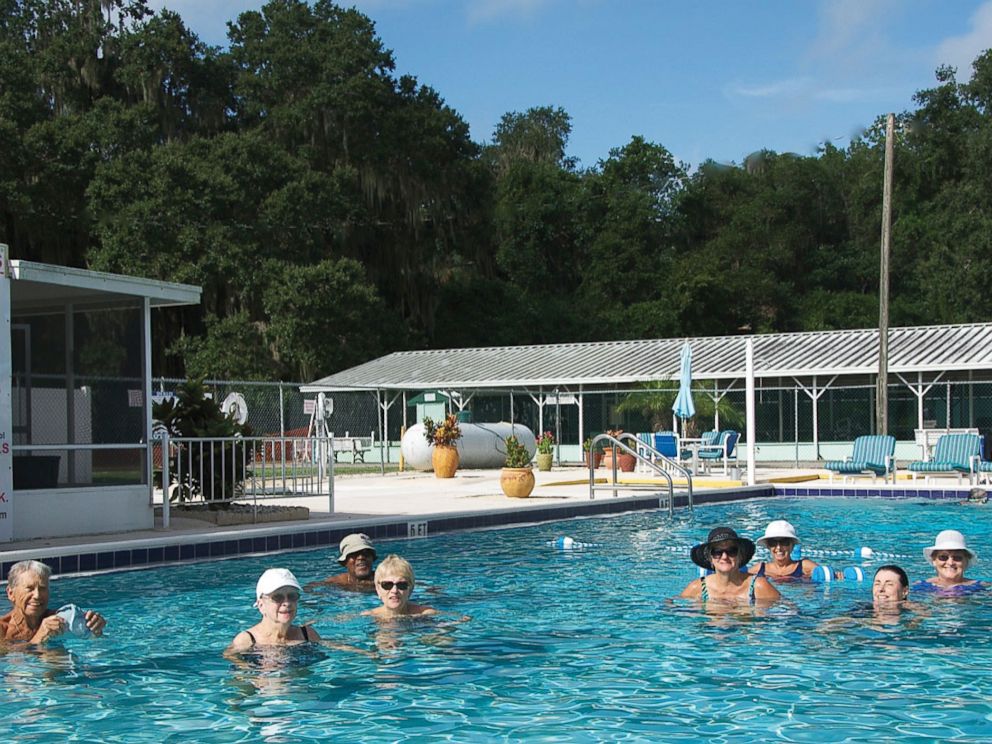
[517, 455]
[444, 433]
[545, 443]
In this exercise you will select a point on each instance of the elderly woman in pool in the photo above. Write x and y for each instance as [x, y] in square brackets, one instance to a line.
[276, 596]
[780, 538]
[725, 552]
[950, 557]
[30, 619]
[394, 583]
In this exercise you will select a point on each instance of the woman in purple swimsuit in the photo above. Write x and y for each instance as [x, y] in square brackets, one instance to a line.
[780, 538]
[950, 557]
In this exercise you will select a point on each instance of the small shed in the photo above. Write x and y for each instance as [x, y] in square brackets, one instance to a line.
[433, 404]
[75, 398]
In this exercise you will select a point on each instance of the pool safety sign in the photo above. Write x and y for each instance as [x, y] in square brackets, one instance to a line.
[6, 425]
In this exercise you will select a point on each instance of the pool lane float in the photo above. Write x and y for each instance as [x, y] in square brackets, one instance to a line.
[568, 543]
[823, 574]
[798, 553]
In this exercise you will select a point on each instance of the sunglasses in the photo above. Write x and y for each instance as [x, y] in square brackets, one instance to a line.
[287, 597]
[401, 585]
[717, 552]
[947, 556]
[773, 542]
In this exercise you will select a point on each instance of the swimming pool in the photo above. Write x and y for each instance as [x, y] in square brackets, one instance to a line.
[581, 645]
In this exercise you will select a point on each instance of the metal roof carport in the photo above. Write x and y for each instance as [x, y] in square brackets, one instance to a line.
[919, 356]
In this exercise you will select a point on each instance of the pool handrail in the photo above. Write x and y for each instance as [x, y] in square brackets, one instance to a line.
[653, 459]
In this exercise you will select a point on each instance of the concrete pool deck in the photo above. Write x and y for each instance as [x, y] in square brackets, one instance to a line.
[413, 504]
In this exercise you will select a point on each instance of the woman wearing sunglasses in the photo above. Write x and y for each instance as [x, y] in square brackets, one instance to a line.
[277, 594]
[724, 552]
[950, 557]
[394, 584]
[780, 538]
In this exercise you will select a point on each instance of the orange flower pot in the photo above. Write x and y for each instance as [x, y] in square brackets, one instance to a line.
[517, 482]
[445, 461]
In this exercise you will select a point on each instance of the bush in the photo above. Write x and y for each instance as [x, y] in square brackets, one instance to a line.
[191, 414]
[517, 455]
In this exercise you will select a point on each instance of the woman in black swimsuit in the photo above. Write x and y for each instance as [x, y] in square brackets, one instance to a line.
[277, 594]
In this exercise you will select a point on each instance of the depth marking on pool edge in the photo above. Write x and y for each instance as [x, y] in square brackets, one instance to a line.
[416, 529]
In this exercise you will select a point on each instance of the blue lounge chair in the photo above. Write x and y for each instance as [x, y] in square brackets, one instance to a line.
[954, 453]
[873, 454]
[723, 448]
[666, 443]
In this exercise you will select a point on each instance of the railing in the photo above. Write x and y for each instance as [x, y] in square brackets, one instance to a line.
[225, 470]
[656, 461]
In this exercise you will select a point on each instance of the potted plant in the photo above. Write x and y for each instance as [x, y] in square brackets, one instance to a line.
[193, 415]
[516, 478]
[609, 451]
[442, 436]
[545, 447]
[626, 462]
[597, 456]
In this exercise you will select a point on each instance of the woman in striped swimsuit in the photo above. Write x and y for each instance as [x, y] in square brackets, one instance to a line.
[724, 552]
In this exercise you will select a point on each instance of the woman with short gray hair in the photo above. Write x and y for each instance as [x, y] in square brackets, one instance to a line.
[30, 619]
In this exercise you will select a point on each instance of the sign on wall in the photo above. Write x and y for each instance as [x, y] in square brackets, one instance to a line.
[6, 427]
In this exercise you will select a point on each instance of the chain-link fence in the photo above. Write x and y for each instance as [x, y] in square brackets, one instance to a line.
[792, 422]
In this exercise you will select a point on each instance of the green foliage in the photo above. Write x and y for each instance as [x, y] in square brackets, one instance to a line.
[545, 443]
[333, 210]
[195, 466]
[516, 454]
[442, 433]
[654, 400]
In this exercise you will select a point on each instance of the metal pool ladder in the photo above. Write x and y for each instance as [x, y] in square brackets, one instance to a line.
[645, 453]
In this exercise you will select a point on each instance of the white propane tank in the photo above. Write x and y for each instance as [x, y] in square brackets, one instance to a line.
[481, 446]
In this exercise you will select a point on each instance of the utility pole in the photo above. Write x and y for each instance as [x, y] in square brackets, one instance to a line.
[882, 397]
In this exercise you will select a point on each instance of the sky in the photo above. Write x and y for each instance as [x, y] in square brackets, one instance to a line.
[707, 79]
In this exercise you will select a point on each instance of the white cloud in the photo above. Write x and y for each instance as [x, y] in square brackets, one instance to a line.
[960, 51]
[846, 24]
[788, 87]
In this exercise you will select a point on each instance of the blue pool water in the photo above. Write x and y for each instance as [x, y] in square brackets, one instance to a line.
[577, 646]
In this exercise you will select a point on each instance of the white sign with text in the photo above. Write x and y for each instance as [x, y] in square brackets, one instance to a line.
[6, 419]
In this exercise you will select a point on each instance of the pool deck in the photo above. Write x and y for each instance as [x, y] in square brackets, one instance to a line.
[413, 504]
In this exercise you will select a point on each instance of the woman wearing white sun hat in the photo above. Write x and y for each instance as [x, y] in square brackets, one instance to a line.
[780, 538]
[276, 596]
[950, 557]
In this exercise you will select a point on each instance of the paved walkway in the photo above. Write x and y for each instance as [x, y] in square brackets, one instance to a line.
[406, 496]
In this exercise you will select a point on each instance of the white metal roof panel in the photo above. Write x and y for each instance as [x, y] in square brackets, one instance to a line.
[849, 352]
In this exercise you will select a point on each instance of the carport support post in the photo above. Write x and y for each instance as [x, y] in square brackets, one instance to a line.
[146, 371]
[70, 395]
[749, 408]
[582, 423]
[6, 422]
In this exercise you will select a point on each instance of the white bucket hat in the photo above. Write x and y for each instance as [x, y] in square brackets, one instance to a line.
[275, 578]
[778, 529]
[949, 540]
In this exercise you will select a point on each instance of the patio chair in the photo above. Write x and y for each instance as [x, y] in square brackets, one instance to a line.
[874, 453]
[724, 448]
[955, 453]
[665, 443]
[706, 439]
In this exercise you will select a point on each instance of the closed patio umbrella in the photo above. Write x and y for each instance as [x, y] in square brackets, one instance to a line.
[683, 407]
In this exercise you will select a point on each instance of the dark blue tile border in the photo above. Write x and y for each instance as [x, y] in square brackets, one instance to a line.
[225, 546]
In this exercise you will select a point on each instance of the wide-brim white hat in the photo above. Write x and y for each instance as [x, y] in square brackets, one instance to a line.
[949, 540]
[778, 529]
